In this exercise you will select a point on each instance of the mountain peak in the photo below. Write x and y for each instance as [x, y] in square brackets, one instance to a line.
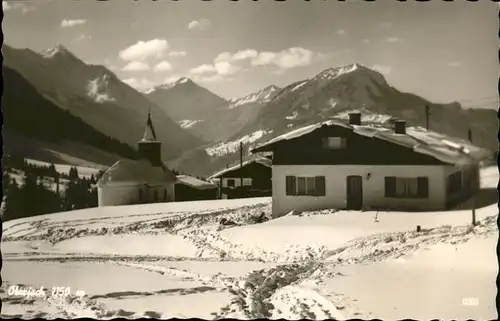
[262, 96]
[170, 85]
[57, 50]
[182, 80]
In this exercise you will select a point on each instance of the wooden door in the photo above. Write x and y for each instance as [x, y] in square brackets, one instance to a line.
[354, 192]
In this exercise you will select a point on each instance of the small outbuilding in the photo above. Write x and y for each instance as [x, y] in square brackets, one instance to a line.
[251, 178]
[189, 188]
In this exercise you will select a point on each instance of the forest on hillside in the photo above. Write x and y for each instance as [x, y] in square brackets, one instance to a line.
[43, 190]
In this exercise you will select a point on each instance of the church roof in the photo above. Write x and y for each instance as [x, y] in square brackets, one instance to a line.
[137, 172]
[149, 133]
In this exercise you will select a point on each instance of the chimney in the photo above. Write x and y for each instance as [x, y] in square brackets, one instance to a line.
[355, 119]
[400, 127]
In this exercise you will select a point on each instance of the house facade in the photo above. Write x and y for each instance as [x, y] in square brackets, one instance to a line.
[147, 180]
[249, 179]
[347, 165]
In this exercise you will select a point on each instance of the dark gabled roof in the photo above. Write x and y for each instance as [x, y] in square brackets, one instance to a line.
[136, 172]
[259, 160]
[194, 182]
[442, 147]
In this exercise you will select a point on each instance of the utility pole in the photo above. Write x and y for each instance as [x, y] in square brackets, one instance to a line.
[469, 136]
[427, 113]
[241, 164]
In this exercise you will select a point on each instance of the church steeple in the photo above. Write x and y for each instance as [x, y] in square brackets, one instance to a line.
[149, 146]
[149, 133]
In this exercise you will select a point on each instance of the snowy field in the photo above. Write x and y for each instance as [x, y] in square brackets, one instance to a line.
[177, 260]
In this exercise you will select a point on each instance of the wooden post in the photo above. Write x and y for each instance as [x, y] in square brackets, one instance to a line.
[469, 136]
[427, 113]
[241, 165]
[220, 187]
[57, 183]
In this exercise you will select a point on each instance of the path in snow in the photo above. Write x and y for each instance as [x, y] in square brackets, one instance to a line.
[285, 268]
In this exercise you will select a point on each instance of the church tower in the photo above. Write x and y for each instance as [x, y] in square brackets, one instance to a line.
[149, 146]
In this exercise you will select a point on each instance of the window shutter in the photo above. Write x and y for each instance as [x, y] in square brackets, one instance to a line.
[320, 188]
[290, 185]
[390, 186]
[423, 187]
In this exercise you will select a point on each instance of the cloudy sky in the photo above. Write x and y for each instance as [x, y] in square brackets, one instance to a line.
[441, 51]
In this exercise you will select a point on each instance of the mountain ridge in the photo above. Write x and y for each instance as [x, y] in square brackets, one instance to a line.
[97, 96]
[335, 92]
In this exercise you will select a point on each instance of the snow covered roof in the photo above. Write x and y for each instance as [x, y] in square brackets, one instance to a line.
[194, 182]
[260, 160]
[136, 172]
[442, 147]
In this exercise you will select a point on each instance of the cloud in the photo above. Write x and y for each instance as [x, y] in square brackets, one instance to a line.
[139, 84]
[264, 58]
[177, 54]
[142, 50]
[454, 64]
[365, 41]
[237, 56]
[285, 59]
[207, 79]
[202, 69]
[136, 66]
[8, 5]
[383, 69]
[82, 37]
[245, 54]
[201, 24]
[225, 68]
[163, 66]
[289, 58]
[341, 32]
[221, 68]
[392, 39]
[67, 23]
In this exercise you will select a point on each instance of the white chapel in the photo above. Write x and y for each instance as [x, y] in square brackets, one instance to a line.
[147, 180]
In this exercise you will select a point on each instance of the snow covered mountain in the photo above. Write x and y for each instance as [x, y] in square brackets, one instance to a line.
[185, 100]
[260, 97]
[205, 114]
[334, 93]
[337, 91]
[97, 96]
[37, 128]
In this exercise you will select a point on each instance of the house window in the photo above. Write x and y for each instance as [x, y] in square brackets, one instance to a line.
[141, 195]
[165, 194]
[334, 143]
[155, 195]
[310, 186]
[404, 187]
[230, 182]
[454, 183]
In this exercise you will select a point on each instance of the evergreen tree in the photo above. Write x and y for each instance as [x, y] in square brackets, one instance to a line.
[5, 182]
[73, 174]
[48, 201]
[52, 171]
[13, 203]
[29, 194]
[76, 195]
